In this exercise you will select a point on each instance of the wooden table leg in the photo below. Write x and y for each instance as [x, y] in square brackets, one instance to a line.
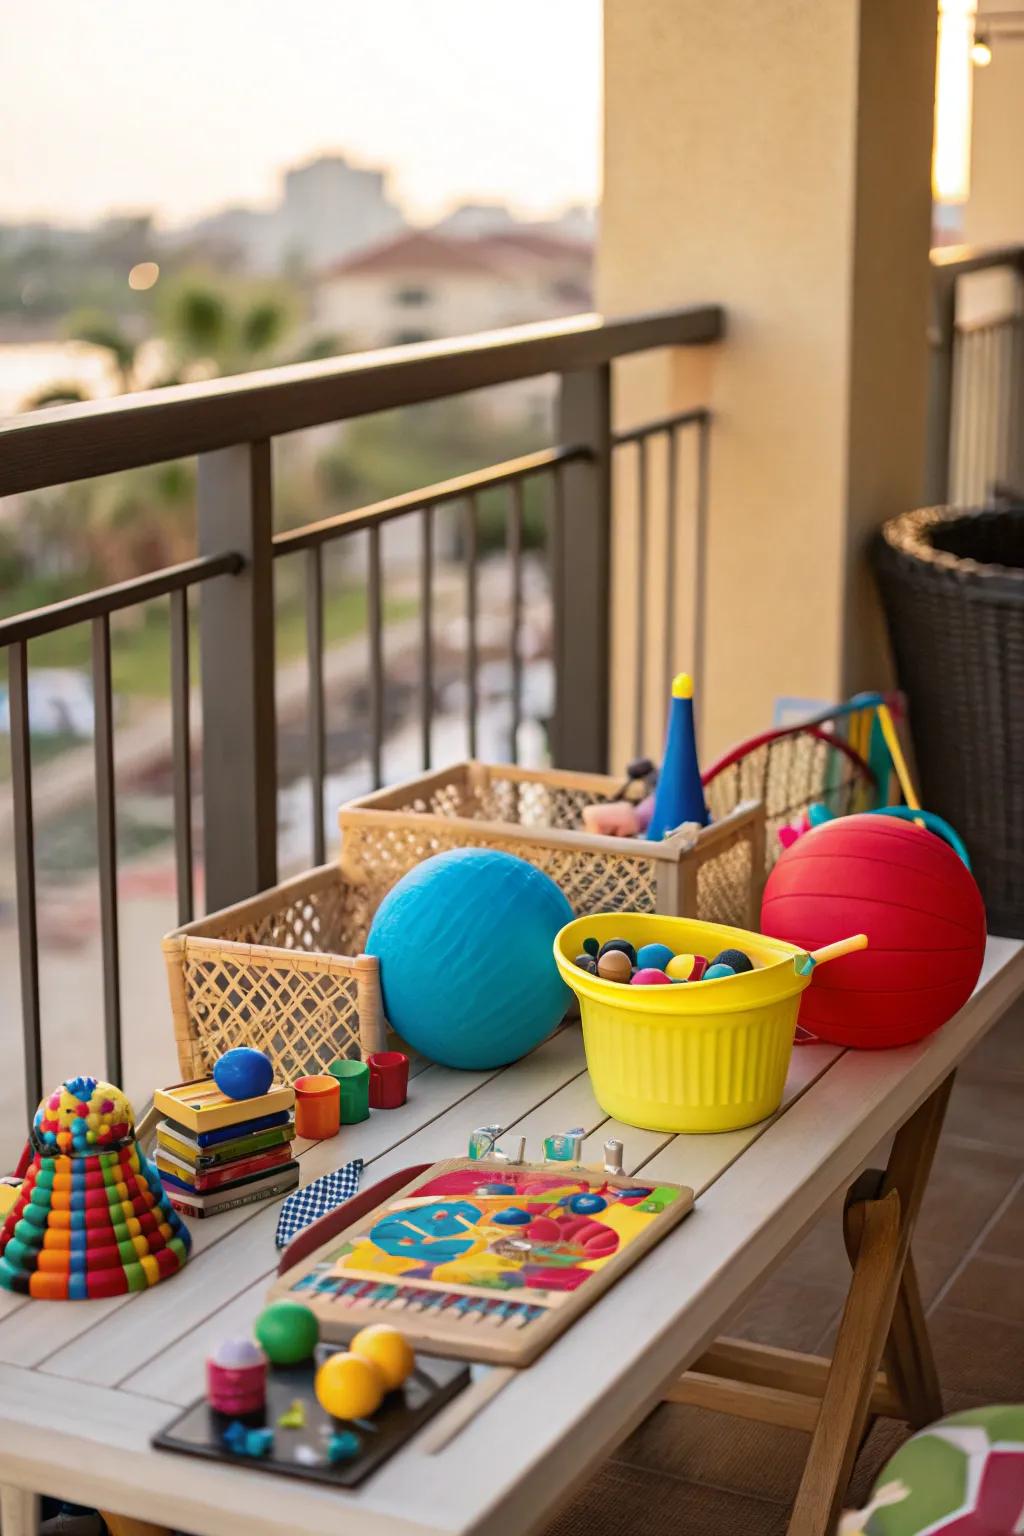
[858, 1353]
[123, 1525]
[19, 1512]
[882, 1316]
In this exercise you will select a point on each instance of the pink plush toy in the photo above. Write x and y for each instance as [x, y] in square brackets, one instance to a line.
[619, 818]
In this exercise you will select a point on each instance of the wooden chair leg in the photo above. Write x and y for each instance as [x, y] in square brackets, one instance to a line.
[124, 1525]
[858, 1353]
[19, 1512]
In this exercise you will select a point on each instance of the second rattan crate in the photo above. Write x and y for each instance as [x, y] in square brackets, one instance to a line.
[283, 972]
[713, 873]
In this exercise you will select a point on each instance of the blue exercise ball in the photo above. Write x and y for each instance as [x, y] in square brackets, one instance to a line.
[467, 970]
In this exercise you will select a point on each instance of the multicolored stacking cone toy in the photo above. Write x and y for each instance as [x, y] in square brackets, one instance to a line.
[92, 1218]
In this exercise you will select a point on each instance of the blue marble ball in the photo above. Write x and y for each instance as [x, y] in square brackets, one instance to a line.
[653, 957]
[243, 1073]
[467, 969]
[716, 972]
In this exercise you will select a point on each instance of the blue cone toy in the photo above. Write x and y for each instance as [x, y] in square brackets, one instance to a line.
[680, 793]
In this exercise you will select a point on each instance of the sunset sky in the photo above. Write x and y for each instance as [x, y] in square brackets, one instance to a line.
[182, 107]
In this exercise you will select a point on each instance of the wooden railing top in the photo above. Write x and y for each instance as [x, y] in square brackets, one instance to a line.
[74, 442]
[953, 261]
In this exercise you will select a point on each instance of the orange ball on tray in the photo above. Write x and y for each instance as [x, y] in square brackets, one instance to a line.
[348, 1387]
[388, 1350]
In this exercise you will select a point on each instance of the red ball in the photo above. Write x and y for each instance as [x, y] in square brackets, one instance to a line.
[920, 908]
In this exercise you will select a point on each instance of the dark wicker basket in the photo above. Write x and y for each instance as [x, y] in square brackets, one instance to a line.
[952, 583]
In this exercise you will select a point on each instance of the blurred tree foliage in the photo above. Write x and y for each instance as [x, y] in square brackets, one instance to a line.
[376, 457]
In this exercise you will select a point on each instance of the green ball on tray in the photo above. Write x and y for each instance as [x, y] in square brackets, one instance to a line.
[287, 1332]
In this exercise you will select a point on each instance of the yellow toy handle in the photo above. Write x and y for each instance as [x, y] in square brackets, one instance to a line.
[899, 762]
[806, 962]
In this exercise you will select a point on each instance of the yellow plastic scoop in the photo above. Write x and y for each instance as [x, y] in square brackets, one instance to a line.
[806, 962]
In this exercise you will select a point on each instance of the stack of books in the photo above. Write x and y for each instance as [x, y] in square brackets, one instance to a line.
[215, 1153]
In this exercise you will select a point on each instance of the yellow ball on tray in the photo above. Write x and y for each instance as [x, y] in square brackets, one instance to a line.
[348, 1387]
[388, 1349]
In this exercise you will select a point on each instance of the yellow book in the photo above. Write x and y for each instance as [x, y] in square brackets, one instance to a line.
[201, 1107]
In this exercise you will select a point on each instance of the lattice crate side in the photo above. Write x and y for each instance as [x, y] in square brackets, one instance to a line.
[387, 833]
[296, 999]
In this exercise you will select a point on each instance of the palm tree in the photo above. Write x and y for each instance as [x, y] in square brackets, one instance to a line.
[107, 333]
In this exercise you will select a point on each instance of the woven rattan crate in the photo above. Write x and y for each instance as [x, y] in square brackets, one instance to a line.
[713, 873]
[283, 972]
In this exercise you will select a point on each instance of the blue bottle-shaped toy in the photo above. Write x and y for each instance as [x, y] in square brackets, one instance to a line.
[680, 794]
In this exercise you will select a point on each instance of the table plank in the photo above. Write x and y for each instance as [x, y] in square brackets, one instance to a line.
[538, 1439]
[44, 1331]
[550, 1425]
[41, 1447]
[700, 1160]
[176, 1373]
[121, 1344]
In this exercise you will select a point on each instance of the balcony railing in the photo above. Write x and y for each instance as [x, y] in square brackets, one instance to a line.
[976, 407]
[229, 425]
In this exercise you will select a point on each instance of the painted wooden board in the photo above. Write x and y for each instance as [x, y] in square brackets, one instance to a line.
[481, 1285]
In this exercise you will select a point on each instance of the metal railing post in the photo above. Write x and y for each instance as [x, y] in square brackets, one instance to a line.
[941, 339]
[580, 731]
[237, 668]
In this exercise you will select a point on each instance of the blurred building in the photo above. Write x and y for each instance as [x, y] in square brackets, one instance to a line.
[425, 284]
[328, 209]
[331, 208]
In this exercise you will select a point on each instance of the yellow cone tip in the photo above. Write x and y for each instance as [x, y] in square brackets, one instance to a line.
[682, 686]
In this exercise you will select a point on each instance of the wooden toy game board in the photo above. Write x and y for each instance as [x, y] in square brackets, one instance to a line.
[485, 1260]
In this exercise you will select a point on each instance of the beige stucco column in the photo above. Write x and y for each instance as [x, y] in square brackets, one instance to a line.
[776, 158]
[994, 212]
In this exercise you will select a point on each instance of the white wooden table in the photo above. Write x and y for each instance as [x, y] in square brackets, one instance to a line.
[84, 1385]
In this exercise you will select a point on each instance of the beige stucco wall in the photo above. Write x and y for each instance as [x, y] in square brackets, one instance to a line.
[776, 159]
[994, 212]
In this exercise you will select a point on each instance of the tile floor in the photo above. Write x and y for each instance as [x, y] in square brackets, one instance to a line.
[686, 1472]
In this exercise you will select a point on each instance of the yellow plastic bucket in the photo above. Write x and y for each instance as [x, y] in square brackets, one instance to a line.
[698, 1056]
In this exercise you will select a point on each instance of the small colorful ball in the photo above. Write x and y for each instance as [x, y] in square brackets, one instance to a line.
[388, 1351]
[624, 945]
[718, 972]
[654, 957]
[963, 1474]
[686, 967]
[615, 965]
[348, 1387]
[587, 1205]
[287, 1332]
[735, 958]
[586, 963]
[243, 1073]
[650, 978]
[592, 947]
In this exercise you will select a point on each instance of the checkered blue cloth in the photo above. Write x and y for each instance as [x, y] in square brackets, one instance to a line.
[323, 1195]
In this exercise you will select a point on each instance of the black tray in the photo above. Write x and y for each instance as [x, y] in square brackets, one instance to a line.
[199, 1430]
